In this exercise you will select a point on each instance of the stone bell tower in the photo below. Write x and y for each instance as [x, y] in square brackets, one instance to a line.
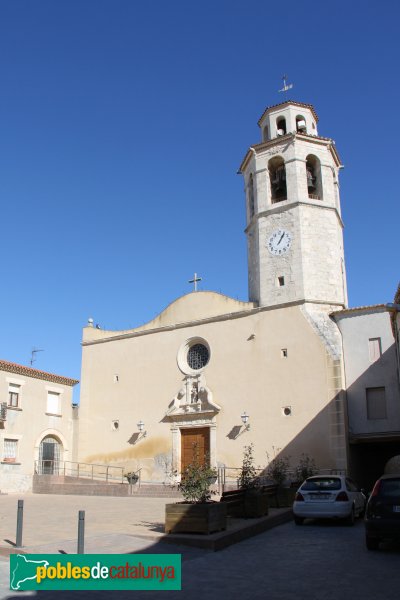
[294, 226]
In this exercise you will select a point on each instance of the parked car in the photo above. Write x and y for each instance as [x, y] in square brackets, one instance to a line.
[382, 517]
[328, 497]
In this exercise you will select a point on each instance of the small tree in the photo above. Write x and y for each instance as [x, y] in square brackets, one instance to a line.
[305, 468]
[247, 477]
[196, 479]
[278, 467]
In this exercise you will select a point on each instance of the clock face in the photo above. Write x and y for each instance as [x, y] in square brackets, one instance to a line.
[279, 242]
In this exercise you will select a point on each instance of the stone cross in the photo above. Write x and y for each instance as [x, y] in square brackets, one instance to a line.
[195, 280]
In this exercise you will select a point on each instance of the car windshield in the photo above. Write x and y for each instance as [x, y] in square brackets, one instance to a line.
[390, 487]
[322, 483]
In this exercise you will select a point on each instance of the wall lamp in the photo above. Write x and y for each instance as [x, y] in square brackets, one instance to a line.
[142, 434]
[245, 418]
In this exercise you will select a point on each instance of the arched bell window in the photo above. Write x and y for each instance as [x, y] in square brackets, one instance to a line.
[314, 181]
[281, 126]
[251, 196]
[277, 177]
[301, 126]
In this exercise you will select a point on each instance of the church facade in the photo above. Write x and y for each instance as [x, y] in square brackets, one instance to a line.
[223, 373]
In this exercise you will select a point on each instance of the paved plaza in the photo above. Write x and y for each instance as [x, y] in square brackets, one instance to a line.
[319, 561]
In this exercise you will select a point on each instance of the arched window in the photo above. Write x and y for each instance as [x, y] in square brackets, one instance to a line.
[50, 451]
[301, 126]
[277, 177]
[281, 126]
[251, 196]
[314, 182]
[265, 134]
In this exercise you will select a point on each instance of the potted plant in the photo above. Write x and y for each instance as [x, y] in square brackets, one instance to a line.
[197, 513]
[255, 500]
[132, 477]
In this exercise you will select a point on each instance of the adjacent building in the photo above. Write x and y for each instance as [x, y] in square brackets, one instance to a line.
[372, 389]
[36, 424]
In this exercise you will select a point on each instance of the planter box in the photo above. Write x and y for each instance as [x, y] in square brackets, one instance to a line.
[255, 504]
[195, 518]
[284, 498]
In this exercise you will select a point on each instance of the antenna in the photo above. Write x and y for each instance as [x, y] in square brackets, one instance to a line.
[286, 86]
[34, 351]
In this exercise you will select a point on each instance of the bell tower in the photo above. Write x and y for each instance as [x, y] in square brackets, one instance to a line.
[294, 227]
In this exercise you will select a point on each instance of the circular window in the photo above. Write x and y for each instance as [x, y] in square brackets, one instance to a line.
[198, 356]
[193, 356]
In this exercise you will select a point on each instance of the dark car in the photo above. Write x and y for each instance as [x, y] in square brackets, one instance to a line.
[382, 516]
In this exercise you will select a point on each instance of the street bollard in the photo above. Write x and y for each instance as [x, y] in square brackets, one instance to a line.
[81, 532]
[20, 520]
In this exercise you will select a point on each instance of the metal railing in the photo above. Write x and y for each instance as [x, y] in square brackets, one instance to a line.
[107, 473]
[3, 411]
[230, 475]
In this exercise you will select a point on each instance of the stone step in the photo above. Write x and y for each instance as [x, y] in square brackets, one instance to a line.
[54, 484]
[82, 490]
[155, 490]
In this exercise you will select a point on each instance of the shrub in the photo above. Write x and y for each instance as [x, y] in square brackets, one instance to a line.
[247, 477]
[196, 479]
[305, 468]
[278, 467]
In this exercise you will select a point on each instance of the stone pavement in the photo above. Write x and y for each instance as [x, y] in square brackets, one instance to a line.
[319, 561]
[112, 526]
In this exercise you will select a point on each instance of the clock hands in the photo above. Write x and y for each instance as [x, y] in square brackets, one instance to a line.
[282, 236]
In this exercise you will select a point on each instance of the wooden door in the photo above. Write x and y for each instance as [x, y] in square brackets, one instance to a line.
[190, 438]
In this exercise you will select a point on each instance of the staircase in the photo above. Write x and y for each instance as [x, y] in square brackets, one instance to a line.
[87, 479]
[79, 486]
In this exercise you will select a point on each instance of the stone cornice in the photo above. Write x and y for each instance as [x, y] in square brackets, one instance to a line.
[256, 148]
[35, 374]
[282, 207]
[225, 317]
[286, 103]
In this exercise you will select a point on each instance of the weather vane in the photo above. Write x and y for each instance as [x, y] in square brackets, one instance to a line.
[286, 86]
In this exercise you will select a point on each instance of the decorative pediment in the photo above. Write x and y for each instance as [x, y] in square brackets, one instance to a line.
[193, 400]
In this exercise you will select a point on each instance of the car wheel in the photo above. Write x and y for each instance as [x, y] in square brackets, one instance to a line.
[372, 542]
[350, 520]
[299, 520]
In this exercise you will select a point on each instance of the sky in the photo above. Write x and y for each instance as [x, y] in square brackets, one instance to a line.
[122, 127]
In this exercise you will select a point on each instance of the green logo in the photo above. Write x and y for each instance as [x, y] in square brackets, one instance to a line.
[95, 572]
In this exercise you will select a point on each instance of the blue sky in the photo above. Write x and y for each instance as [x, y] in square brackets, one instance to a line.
[122, 126]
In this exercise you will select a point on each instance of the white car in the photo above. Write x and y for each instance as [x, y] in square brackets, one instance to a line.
[328, 497]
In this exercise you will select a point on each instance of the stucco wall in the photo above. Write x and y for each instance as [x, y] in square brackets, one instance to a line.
[29, 424]
[357, 327]
[137, 377]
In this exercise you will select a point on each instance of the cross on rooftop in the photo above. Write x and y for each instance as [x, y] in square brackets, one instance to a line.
[195, 280]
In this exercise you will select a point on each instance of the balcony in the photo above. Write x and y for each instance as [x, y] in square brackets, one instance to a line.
[3, 411]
